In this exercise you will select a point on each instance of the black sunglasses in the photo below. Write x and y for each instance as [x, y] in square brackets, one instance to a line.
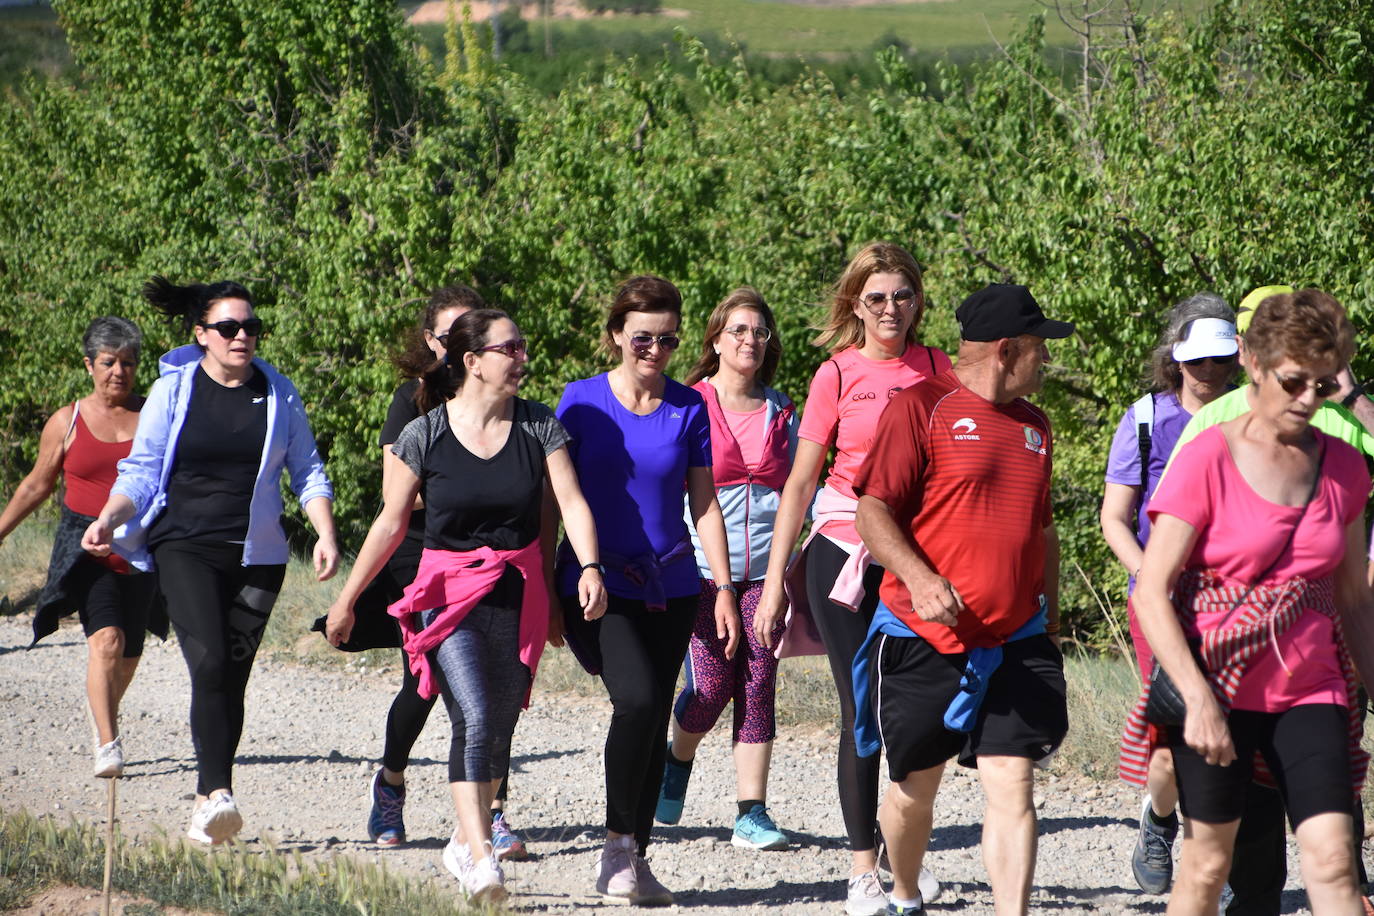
[229, 328]
[1297, 384]
[646, 342]
[1215, 360]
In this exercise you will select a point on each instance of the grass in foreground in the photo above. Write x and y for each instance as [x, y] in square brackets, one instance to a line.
[37, 853]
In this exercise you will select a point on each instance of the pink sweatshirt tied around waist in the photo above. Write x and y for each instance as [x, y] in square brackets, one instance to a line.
[446, 579]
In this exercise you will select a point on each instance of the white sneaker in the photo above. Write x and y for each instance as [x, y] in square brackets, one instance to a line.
[615, 873]
[216, 820]
[485, 882]
[458, 859]
[865, 896]
[109, 759]
[929, 887]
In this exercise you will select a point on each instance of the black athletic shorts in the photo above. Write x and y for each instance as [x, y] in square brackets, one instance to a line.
[1306, 749]
[1024, 713]
[105, 598]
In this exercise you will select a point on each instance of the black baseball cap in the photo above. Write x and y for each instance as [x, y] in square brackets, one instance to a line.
[1001, 310]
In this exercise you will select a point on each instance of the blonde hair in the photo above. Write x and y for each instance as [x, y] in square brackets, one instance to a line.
[842, 328]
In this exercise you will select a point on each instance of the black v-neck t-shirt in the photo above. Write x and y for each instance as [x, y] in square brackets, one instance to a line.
[218, 453]
[474, 502]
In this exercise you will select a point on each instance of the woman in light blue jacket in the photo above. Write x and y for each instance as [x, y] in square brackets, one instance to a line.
[199, 498]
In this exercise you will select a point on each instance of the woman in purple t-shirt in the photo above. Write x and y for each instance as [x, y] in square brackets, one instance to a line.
[1192, 366]
[638, 439]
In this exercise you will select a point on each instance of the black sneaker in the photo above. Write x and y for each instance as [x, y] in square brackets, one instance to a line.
[1152, 860]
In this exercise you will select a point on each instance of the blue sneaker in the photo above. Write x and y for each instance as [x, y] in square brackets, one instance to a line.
[505, 841]
[385, 823]
[756, 830]
[673, 792]
[1152, 860]
[894, 909]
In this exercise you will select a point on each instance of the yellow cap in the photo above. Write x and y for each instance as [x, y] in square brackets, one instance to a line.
[1246, 310]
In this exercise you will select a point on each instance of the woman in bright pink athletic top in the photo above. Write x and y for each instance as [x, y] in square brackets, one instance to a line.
[1258, 533]
[870, 331]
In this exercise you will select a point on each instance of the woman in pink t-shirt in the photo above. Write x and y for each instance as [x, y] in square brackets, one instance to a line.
[753, 435]
[1258, 534]
[870, 331]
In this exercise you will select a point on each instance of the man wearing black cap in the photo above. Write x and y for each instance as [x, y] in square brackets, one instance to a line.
[954, 503]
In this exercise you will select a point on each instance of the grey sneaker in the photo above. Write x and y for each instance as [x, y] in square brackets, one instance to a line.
[615, 874]
[649, 891]
[1152, 860]
[865, 895]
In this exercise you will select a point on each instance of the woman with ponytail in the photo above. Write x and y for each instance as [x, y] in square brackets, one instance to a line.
[199, 499]
[475, 618]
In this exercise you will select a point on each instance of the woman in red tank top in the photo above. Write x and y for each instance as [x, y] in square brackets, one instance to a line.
[82, 444]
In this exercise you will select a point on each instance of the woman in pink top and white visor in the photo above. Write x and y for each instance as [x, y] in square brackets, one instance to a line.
[1258, 535]
[870, 331]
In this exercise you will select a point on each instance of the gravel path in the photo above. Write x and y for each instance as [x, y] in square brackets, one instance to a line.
[308, 752]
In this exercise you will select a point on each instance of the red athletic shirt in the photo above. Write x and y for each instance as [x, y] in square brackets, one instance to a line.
[971, 481]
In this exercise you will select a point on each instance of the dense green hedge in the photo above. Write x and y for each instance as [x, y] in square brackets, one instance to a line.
[304, 148]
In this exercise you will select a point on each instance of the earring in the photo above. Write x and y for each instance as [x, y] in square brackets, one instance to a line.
[717, 349]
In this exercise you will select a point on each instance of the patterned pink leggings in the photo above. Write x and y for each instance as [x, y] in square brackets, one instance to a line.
[713, 680]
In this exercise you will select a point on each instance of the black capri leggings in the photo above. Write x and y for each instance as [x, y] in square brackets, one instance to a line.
[843, 632]
[219, 609]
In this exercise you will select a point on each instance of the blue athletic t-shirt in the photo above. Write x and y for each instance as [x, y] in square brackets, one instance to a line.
[633, 470]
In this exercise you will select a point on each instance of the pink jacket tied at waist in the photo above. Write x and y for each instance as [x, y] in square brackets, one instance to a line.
[1227, 651]
[448, 579]
[801, 636]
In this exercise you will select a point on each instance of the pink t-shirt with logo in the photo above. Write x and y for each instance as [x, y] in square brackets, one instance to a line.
[848, 393]
[1239, 535]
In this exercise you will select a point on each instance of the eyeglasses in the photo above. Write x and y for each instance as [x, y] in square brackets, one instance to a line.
[741, 331]
[645, 342]
[510, 349]
[442, 338]
[1297, 384]
[876, 302]
[229, 328]
[1215, 360]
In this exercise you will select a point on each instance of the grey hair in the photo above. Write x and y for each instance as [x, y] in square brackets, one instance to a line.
[1164, 372]
[109, 334]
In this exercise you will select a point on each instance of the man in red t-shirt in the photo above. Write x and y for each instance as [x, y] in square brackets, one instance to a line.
[954, 503]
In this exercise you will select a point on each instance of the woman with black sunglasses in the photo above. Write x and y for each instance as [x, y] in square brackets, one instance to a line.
[1193, 365]
[477, 613]
[639, 439]
[199, 497]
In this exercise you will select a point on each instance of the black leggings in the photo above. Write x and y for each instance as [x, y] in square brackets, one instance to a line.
[843, 633]
[219, 609]
[642, 651]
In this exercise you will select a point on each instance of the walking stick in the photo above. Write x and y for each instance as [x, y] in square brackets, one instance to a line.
[109, 847]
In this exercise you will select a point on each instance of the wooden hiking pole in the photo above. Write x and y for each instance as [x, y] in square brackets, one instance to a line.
[109, 846]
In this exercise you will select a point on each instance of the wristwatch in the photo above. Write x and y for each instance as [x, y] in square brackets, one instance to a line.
[728, 587]
[1354, 395]
[596, 566]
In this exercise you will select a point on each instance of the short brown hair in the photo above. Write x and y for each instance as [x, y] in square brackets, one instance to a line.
[842, 328]
[746, 297]
[1305, 326]
[642, 293]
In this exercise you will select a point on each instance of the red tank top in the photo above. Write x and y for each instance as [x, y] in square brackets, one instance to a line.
[89, 469]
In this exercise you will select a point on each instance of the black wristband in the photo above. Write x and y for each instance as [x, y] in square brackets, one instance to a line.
[596, 566]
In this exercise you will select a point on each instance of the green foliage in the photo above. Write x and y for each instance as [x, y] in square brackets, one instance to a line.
[310, 150]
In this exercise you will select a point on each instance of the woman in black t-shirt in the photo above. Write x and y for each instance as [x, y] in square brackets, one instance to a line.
[409, 711]
[476, 616]
[201, 493]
